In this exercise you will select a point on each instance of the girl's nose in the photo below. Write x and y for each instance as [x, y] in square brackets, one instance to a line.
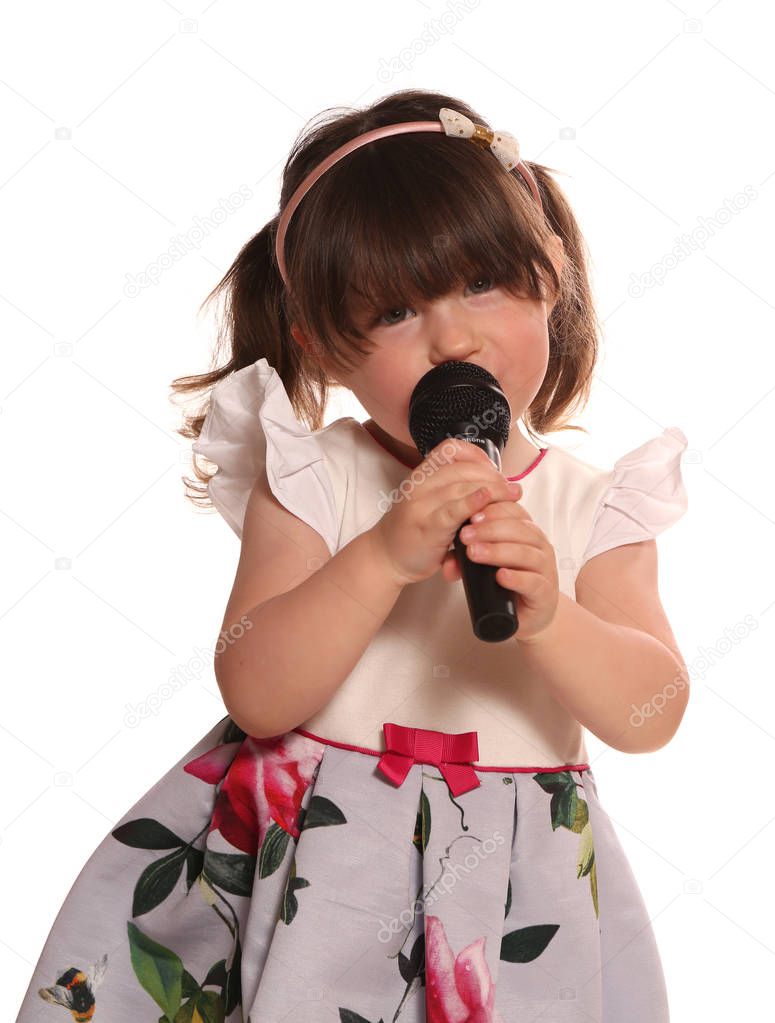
[453, 343]
[455, 353]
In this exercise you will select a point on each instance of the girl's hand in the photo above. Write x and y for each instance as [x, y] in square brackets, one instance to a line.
[526, 560]
[427, 510]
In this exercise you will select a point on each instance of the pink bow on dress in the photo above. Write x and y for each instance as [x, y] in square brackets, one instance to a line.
[451, 753]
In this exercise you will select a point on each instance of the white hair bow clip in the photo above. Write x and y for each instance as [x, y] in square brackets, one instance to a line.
[503, 145]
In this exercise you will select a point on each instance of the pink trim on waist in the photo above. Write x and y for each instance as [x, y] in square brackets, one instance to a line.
[453, 753]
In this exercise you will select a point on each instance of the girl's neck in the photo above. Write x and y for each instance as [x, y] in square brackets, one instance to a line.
[516, 458]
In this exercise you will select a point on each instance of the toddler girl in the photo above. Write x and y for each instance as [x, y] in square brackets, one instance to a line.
[397, 820]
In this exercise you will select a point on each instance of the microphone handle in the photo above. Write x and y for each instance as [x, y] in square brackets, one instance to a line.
[492, 607]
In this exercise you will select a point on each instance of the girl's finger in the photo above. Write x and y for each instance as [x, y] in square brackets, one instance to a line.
[506, 555]
[509, 508]
[460, 509]
[526, 584]
[449, 568]
[456, 449]
[505, 529]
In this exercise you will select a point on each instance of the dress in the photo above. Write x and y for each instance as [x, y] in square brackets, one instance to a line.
[429, 846]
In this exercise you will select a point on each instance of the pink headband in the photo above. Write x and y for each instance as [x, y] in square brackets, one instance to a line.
[503, 145]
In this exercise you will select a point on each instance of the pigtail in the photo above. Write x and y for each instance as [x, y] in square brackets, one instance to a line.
[574, 329]
[253, 323]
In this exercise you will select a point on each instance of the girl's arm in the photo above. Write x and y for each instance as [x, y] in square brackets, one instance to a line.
[298, 620]
[610, 657]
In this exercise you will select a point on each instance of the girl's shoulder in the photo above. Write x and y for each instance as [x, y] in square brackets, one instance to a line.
[585, 509]
[636, 499]
[251, 428]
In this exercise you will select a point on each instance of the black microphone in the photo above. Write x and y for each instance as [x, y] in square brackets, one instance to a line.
[460, 399]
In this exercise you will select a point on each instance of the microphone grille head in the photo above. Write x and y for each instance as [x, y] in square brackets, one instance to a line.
[457, 396]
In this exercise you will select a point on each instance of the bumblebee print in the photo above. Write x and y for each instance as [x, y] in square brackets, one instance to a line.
[75, 990]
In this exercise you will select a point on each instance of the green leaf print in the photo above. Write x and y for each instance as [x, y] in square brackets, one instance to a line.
[593, 886]
[188, 985]
[157, 881]
[582, 816]
[422, 828]
[568, 809]
[231, 871]
[158, 969]
[413, 965]
[321, 813]
[290, 904]
[232, 989]
[195, 859]
[177, 993]
[554, 781]
[564, 798]
[563, 808]
[227, 980]
[206, 1007]
[272, 849]
[586, 852]
[147, 833]
[527, 943]
[586, 863]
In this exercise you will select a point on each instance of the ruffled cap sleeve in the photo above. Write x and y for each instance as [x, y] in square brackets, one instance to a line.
[250, 427]
[645, 494]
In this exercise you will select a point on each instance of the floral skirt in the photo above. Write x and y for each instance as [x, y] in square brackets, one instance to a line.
[297, 880]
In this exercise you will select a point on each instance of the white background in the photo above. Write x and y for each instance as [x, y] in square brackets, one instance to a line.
[128, 128]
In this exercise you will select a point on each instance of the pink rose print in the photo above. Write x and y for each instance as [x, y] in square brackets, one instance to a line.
[264, 782]
[459, 989]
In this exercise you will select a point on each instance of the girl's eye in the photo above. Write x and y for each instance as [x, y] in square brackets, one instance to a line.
[380, 320]
[486, 280]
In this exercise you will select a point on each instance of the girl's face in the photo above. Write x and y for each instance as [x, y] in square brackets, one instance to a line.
[478, 323]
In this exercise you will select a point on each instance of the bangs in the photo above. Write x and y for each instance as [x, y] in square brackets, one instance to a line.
[408, 219]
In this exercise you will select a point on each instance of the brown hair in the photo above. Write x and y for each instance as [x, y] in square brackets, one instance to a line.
[404, 218]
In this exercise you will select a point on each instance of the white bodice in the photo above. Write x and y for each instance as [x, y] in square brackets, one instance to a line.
[425, 667]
